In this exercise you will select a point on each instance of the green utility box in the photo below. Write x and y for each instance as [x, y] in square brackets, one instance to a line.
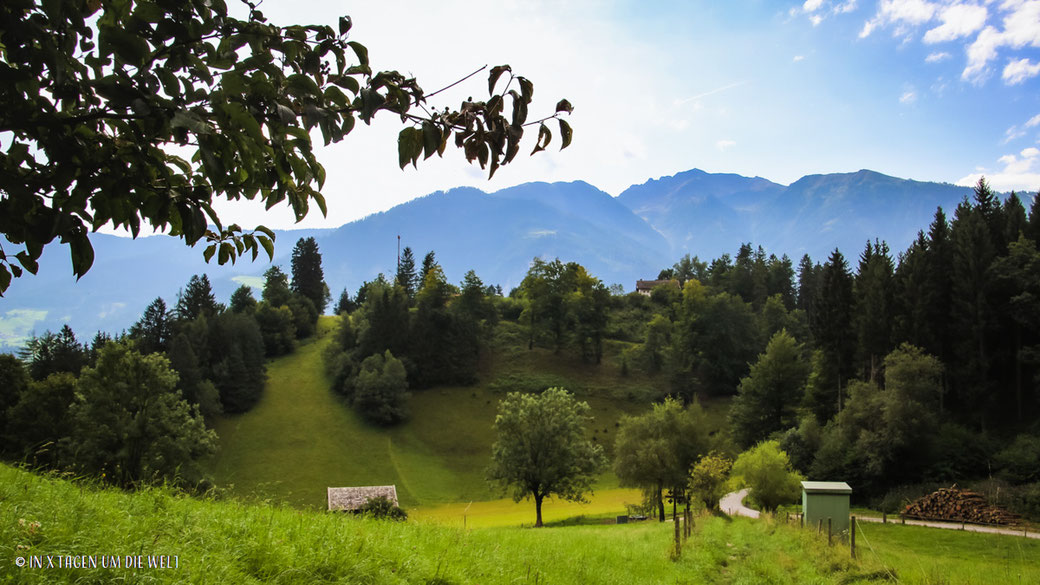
[826, 499]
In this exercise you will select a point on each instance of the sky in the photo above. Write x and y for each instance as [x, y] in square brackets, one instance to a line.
[935, 91]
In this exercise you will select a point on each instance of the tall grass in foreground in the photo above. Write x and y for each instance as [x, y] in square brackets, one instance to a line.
[236, 542]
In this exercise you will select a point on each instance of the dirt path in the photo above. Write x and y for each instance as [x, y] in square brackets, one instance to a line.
[733, 504]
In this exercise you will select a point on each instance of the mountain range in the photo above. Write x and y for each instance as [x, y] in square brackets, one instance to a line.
[619, 239]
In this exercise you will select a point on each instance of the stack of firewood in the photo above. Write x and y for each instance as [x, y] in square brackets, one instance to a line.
[959, 506]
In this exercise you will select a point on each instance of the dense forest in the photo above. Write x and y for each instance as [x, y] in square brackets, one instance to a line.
[886, 370]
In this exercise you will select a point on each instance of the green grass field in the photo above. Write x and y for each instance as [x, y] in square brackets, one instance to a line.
[234, 542]
[302, 438]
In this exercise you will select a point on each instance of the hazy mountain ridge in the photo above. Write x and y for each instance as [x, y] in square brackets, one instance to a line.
[619, 239]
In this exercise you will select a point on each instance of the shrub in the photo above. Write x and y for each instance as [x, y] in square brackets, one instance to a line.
[766, 470]
[382, 508]
[1020, 462]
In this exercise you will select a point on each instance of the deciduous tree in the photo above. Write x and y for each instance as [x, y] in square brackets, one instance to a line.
[541, 448]
[98, 92]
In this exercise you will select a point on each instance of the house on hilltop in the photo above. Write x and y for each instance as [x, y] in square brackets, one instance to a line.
[350, 499]
[644, 287]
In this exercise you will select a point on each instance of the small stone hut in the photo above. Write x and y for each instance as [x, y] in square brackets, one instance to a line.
[826, 499]
[350, 499]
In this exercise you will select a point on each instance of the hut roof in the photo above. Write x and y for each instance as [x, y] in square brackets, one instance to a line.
[352, 498]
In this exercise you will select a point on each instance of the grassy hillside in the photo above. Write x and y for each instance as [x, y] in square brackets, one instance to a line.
[302, 438]
[232, 542]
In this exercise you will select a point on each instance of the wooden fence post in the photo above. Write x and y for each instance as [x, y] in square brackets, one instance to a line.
[884, 517]
[819, 527]
[829, 532]
[852, 535]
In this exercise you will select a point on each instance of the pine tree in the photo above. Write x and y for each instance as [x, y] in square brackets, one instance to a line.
[808, 285]
[406, 277]
[767, 399]
[196, 300]
[429, 261]
[873, 307]
[276, 287]
[1033, 226]
[152, 332]
[1014, 217]
[345, 304]
[308, 278]
[832, 320]
[242, 300]
[973, 252]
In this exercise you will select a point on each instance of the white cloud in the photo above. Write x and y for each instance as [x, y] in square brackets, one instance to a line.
[1020, 70]
[959, 20]
[936, 57]
[901, 13]
[1020, 173]
[816, 19]
[798, 58]
[1021, 28]
[908, 97]
[845, 7]
[725, 144]
[812, 5]
[981, 52]
[1014, 132]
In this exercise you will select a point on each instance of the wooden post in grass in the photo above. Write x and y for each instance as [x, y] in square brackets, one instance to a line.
[852, 535]
[829, 532]
[884, 517]
[819, 527]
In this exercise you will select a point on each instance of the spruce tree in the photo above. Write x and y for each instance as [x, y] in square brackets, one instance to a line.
[832, 320]
[406, 277]
[276, 287]
[873, 307]
[196, 300]
[308, 278]
[242, 300]
[152, 332]
[429, 261]
[345, 304]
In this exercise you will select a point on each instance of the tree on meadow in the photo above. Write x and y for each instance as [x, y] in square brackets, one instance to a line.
[381, 390]
[130, 424]
[541, 448]
[766, 471]
[655, 451]
[308, 277]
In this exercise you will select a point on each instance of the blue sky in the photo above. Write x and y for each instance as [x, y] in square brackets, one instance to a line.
[938, 91]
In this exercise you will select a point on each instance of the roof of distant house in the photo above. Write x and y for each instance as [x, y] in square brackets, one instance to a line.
[352, 498]
[650, 284]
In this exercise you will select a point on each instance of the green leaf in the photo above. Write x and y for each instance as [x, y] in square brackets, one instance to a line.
[267, 243]
[344, 25]
[286, 115]
[5, 279]
[564, 106]
[82, 255]
[526, 89]
[148, 12]
[129, 47]
[431, 139]
[360, 51]
[346, 82]
[496, 72]
[409, 146]
[207, 255]
[565, 134]
[543, 132]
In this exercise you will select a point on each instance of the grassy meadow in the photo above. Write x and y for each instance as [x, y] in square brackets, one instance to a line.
[302, 438]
